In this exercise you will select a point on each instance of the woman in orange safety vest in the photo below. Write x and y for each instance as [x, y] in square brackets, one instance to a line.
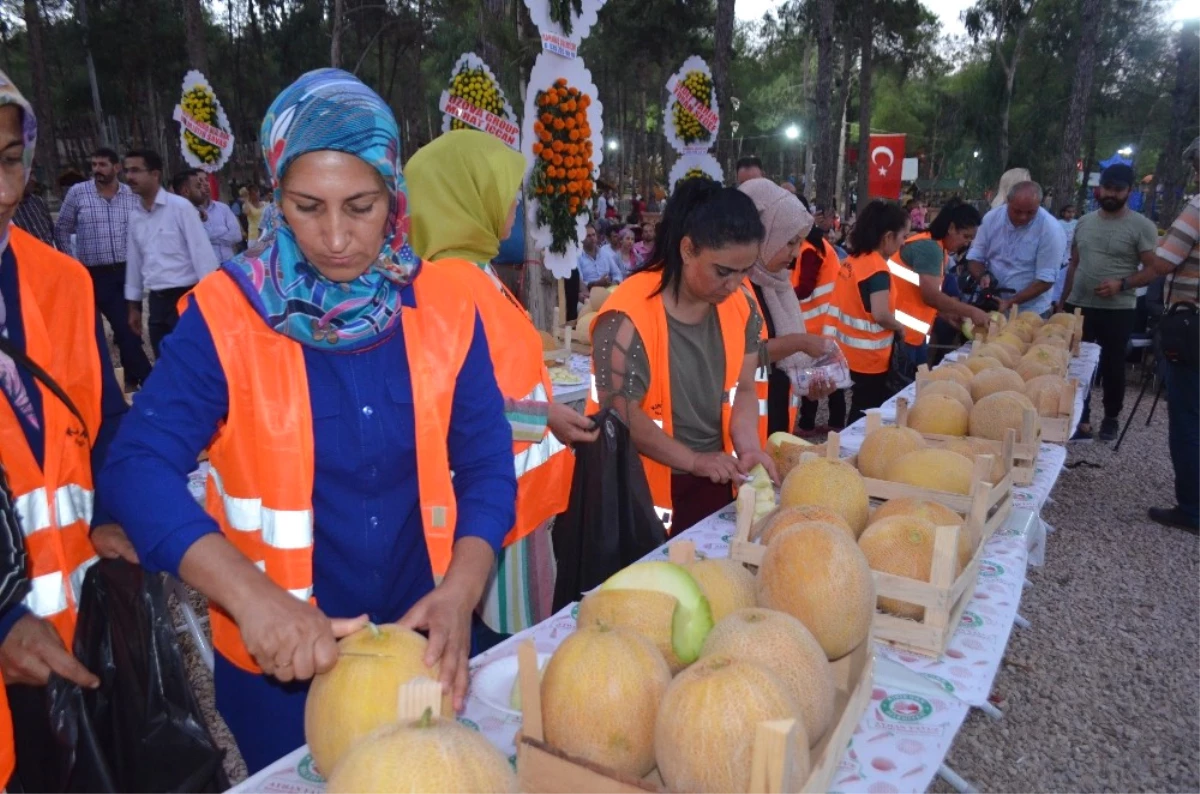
[790, 348]
[675, 350]
[464, 187]
[860, 315]
[337, 381]
[918, 270]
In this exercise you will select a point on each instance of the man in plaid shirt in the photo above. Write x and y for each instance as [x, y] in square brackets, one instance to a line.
[97, 213]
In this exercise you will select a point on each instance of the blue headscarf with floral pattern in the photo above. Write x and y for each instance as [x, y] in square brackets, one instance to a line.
[329, 110]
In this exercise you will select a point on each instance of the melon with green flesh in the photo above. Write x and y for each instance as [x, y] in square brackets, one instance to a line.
[432, 754]
[780, 437]
[830, 483]
[360, 693]
[787, 517]
[884, 444]
[968, 330]
[903, 546]
[764, 491]
[600, 698]
[817, 574]
[939, 414]
[704, 735]
[998, 318]
[726, 583]
[991, 381]
[784, 646]
[994, 414]
[950, 389]
[935, 469]
[1055, 386]
[935, 513]
[692, 619]
[514, 695]
[978, 363]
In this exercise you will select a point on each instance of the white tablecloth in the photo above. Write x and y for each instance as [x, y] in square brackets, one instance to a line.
[580, 366]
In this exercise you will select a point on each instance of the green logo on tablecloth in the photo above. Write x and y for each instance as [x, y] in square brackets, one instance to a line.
[989, 568]
[726, 538]
[970, 620]
[575, 613]
[307, 770]
[906, 708]
[728, 515]
[468, 723]
[512, 761]
[943, 683]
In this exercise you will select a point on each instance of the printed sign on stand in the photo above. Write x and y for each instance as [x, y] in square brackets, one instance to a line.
[205, 136]
[691, 118]
[475, 99]
[564, 24]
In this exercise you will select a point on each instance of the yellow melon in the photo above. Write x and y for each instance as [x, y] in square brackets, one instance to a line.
[1064, 319]
[596, 298]
[901, 546]
[645, 612]
[950, 389]
[817, 574]
[991, 381]
[726, 584]
[977, 363]
[432, 754]
[939, 414]
[935, 513]
[1010, 340]
[704, 737]
[1021, 331]
[583, 326]
[600, 697]
[1002, 353]
[829, 483]
[1050, 354]
[360, 693]
[959, 373]
[784, 646]
[548, 341]
[1032, 369]
[971, 448]
[1055, 387]
[1060, 331]
[787, 517]
[1056, 342]
[997, 412]
[885, 444]
[935, 469]
[1031, 318]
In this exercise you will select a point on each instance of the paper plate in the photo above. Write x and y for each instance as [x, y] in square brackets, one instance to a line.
[493, 682]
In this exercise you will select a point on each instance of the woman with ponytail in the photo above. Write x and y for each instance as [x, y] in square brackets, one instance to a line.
[675, 350]
[919, 269]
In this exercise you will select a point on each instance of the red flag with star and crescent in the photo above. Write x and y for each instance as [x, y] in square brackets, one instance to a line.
[885, 163]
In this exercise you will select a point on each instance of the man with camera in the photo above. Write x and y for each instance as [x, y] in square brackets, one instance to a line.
[1178, 258]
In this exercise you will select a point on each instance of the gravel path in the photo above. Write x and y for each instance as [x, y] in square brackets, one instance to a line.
[1102, 693]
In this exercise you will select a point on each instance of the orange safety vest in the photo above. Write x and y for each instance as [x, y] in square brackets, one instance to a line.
[911, 309]
[54, 501]
[544, 469]
[762, 382]
[866, 344]
[260, 483]
[636, 299]
[8, 746]
[813, 308]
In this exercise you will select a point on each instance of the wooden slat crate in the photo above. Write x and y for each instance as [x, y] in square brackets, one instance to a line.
[945, 596]
[543, 768]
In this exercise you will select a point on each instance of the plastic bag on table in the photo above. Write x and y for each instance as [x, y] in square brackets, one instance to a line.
[142, 729]
[610, 521]
[827, 372]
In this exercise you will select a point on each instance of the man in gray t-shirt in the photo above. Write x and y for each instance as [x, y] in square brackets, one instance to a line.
[1109, 247]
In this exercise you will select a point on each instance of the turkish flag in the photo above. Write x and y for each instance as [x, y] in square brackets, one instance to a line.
[885, 162]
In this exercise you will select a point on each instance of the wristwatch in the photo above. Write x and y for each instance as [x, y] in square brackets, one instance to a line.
[1124, 285]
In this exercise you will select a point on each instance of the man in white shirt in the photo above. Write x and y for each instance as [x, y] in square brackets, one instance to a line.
[1022, 246]
[220, 224]
[168, 251]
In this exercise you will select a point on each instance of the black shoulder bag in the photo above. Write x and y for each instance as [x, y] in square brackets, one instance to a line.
[1178, 333]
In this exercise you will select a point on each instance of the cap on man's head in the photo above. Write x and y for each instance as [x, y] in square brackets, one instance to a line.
[1117, 175]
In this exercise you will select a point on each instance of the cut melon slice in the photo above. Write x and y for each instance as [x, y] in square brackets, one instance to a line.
[780, 437]
[693, 616]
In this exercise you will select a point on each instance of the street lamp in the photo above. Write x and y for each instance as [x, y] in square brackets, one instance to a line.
[613, 145]
[1125, 151]
[975, 154]
[792, 132]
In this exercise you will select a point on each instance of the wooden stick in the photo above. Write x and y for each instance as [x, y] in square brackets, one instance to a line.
[683, 552]
[833, 446]
[418, 696]
[772, 759]
[874, 420]
[902, 412]
[562, 303]
[531, 691]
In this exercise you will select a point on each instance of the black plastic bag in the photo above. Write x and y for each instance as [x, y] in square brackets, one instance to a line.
[142, 729]
[610, 521]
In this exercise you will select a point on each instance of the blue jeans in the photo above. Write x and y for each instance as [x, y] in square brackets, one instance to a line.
[1183, 428]
[917, 354]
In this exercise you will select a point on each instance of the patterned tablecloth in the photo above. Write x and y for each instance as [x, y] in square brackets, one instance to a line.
[580, 366]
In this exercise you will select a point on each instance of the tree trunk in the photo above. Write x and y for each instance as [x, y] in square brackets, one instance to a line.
[867, 40]
[491, 18]
[47, 142]
[101, 128]
[823, 125]
[1010, 79]
[1183, 99]
[1088, 159]
[722, 53]
[1081, 96]
[336, 25]
[839, 182]
[195, 29]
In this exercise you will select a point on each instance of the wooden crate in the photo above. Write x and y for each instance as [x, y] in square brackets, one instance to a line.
[994, 330]
[543, 768]
[1025, 450]
[946, 595]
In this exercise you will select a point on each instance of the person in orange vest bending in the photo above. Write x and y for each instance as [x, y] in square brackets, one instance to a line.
[918, 270]
[790, 348]
[336, 381]
[813, 275]
[860, 315]
[463, 187]
[675, 351]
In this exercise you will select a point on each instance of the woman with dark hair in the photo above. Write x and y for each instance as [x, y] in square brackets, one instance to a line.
[919, 270]
[861, 316]
[675, 351]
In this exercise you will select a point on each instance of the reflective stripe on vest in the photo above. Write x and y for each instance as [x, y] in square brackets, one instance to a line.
[48, 594]
[281, 529]
[664, 513]
[71, 503]
[869, 326]
[854, 341]
[906, 273]
[908, 321]
[303, 593]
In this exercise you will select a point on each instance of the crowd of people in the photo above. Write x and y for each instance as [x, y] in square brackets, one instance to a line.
[378, 419]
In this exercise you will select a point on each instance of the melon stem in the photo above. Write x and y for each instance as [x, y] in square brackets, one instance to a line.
[375, 632]
[426, 720]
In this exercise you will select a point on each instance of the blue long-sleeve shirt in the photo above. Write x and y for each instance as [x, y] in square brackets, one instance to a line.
[112, 400]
